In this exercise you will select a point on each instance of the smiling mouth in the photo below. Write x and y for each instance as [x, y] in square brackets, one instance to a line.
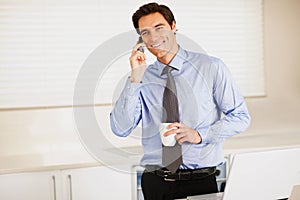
[155, 46]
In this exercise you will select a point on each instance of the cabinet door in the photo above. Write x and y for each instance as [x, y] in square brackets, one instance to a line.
[28, 186]
[96, 183]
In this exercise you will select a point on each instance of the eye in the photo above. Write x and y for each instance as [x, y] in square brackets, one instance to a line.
[144, 33]
[159, 28]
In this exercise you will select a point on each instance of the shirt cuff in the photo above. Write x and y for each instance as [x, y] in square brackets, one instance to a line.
[132, 88]
[203, 131]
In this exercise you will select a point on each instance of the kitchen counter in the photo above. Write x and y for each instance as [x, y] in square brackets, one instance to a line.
[246, 143]
[46, 162]
[131, 155]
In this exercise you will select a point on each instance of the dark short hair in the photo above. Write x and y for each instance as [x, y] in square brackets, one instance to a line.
[149, 9]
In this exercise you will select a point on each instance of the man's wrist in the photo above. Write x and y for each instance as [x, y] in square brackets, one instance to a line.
[198, 138]
[135, 80]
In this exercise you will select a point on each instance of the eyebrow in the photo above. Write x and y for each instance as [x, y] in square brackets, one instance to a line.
[160, 24]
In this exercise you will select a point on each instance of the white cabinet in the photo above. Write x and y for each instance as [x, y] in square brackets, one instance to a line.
[96, 183]
[91, 183]
[28, 186]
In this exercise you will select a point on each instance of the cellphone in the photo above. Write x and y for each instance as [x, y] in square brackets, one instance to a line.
[141, 49]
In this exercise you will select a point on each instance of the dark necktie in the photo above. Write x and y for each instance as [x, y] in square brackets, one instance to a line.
[171, 156]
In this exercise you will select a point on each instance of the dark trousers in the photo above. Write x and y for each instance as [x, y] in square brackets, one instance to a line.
[156, 188]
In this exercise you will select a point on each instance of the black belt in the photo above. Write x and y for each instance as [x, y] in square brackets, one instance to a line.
[183, 174]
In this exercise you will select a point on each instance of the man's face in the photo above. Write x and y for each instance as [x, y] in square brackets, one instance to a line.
[158, 36]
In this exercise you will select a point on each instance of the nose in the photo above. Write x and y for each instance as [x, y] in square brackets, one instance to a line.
[153, 36]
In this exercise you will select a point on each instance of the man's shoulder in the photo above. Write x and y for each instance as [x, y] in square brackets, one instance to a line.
[203, 61]
[201, 56]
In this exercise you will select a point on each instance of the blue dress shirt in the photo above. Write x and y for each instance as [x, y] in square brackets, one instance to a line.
[209, 102]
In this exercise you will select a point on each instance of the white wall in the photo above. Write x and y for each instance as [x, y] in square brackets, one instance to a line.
[279, 110]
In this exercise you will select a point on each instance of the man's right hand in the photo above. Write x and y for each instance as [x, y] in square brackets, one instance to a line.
[138, 64]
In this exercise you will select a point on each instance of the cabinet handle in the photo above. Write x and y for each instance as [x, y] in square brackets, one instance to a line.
[70, 187]
[54, 187]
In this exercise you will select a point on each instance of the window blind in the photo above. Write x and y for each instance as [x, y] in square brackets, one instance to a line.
[44, 43]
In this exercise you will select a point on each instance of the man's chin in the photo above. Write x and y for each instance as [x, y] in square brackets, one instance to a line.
[159, 52]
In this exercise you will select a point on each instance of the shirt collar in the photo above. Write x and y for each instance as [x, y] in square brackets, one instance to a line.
[176, 62]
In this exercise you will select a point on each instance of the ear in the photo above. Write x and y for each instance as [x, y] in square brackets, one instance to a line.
[173, 27]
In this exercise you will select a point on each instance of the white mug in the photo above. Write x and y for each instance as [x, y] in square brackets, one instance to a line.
[167, 140]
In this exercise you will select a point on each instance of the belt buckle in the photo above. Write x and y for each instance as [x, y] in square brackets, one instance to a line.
[184, 175]
[166, 174]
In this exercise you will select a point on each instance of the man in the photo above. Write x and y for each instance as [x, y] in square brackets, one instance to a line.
[204, 91]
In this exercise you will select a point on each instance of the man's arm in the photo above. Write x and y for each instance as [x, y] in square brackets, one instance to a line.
[231, 103]
[126, 113]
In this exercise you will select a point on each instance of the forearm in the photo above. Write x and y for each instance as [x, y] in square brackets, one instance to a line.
[234, 122]
[126, 113]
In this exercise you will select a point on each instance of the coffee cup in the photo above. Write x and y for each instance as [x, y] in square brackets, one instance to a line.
[167, 140]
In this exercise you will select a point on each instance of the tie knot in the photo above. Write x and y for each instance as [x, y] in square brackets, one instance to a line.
[167, 69]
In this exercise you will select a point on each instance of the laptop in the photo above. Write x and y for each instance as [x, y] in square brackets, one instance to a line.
[264, 175]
